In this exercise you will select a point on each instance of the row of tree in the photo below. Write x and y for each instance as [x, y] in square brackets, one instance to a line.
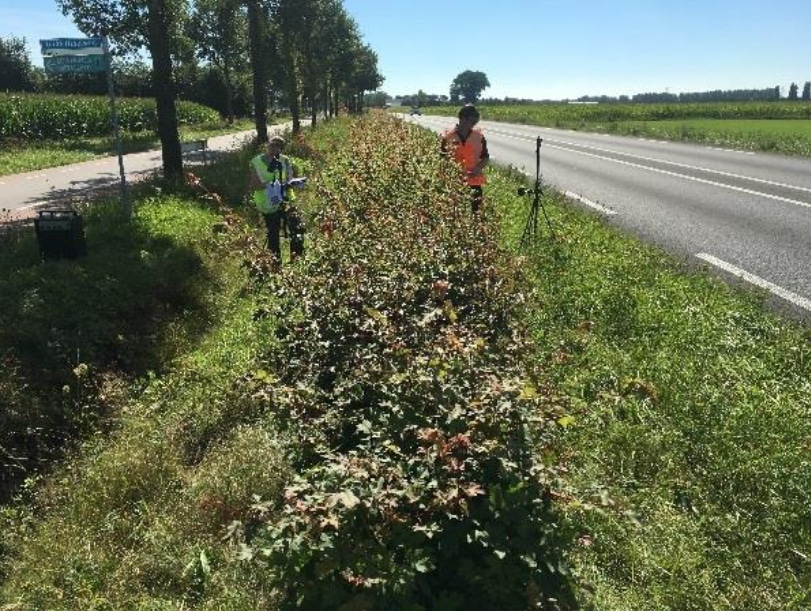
[306, 54]
[718, 95]
[736, 95]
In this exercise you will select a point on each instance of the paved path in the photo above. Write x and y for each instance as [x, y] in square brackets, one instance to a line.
[21, 195]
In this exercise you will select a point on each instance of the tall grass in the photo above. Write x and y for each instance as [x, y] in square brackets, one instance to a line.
[689, 438]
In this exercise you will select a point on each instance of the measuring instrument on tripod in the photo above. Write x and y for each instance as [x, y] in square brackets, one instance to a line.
[531, 227]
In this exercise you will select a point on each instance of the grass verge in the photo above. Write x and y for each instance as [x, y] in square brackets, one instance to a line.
[688, 442]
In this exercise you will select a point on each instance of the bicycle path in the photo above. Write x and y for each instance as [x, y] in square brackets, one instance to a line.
[21, 195]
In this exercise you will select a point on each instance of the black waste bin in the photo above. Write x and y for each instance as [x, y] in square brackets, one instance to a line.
[60, 234]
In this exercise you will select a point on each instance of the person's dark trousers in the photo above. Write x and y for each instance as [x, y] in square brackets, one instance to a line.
[273, 221]
[476, 198]
[295, 229]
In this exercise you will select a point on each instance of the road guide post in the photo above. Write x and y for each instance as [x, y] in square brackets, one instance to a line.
[83, 55]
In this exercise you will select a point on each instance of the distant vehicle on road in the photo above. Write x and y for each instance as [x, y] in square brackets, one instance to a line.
[415, 111]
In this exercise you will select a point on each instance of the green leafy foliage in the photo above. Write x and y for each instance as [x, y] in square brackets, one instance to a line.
[48, 116]
[400, 379]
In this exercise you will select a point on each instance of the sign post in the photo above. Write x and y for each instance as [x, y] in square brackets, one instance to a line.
[86, 55]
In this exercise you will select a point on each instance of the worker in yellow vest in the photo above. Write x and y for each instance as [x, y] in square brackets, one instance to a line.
[469, 148]
[270, 185]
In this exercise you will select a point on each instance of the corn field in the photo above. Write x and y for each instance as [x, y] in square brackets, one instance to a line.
[30, 117]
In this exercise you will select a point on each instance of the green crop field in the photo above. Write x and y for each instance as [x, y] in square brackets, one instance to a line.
[783, 127]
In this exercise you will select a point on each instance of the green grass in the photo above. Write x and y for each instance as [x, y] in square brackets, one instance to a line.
[789, 136]
[688, 447]
[152, 333]
[782, 127]
[37, 155]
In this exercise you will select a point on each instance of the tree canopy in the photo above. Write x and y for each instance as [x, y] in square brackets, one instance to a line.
[16, 72]
[468, 86]
[300, 53]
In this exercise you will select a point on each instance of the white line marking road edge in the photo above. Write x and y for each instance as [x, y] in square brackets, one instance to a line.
[586, 202]
[688, 177]
[773, 183]
[589, 203]
[793, 298]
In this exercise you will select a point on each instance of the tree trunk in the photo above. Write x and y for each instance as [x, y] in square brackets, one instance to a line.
[292, 89]
[313, 111]
[158, 22]
[229, 91]
[256, 33]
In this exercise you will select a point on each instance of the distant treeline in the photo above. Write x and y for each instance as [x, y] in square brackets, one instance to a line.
[717, 95]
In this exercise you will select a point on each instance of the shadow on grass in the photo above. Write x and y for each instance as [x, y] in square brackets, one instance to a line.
[74, 332]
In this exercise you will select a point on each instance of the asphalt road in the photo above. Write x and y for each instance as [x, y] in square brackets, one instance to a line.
[62, 185]
[745, 215]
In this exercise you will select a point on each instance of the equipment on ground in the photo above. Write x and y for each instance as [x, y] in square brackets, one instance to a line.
[531, 227]
[60, 234]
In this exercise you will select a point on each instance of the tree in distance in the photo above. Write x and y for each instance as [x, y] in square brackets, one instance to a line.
[468, 86]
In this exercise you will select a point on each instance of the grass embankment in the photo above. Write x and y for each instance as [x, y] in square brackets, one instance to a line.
[370, 378]
[782, 127]
[690, 444]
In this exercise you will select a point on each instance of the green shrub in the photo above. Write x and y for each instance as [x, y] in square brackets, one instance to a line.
[401, 382]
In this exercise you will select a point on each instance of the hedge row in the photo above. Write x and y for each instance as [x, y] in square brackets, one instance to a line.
[47, 116]
[414, 421]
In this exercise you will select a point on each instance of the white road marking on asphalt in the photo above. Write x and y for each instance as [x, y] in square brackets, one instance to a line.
[589, 203]
[695, 178]
[691, 167]
[757, 281]
[584, 201]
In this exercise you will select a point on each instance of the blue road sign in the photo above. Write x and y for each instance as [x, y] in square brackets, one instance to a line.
[61, 64]
[71, 46]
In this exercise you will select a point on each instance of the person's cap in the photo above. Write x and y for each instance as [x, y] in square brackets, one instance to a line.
[277, 140]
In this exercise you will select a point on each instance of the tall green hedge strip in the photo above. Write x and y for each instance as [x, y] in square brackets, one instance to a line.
[47, 116]
[401, 379]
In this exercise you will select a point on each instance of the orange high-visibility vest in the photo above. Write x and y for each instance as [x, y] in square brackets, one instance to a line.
[467, 153]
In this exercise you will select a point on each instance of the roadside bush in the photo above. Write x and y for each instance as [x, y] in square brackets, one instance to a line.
[400, 380]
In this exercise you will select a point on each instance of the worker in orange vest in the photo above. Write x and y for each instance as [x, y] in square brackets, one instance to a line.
[469, 148]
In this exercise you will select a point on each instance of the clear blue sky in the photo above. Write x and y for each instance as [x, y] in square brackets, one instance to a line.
[553, 49]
